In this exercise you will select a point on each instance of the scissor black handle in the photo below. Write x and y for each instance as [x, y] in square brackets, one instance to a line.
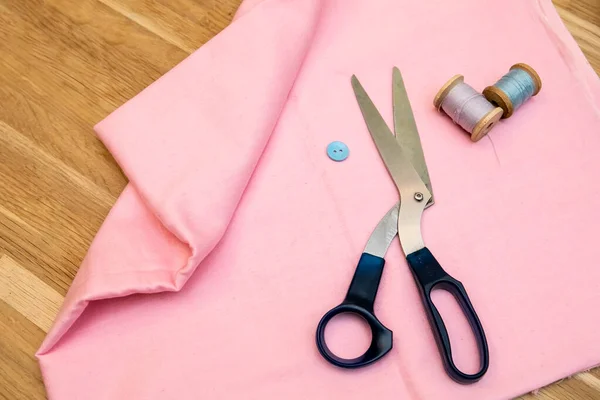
[359, 300]
[429, 274]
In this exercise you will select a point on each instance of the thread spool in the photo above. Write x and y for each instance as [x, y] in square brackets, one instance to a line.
[514, 89]
[467, 107]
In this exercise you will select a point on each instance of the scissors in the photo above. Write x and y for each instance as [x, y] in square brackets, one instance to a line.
[403, 156]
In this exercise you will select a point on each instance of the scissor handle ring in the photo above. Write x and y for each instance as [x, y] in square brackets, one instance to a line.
[430, 275]
[381, 337]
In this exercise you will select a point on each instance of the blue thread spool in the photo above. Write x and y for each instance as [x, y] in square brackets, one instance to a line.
[514, 89]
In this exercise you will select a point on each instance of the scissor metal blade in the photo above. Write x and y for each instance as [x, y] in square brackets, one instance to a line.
[398, 164]
[414, 194]
[384, 233]
[406, 131]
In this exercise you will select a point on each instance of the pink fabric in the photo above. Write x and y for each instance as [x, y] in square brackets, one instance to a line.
[234, 205]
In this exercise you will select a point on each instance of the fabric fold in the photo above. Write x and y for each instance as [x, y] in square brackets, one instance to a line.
[227, 117]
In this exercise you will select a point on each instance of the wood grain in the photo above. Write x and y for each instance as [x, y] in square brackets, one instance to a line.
[65, 65]
[28, 294]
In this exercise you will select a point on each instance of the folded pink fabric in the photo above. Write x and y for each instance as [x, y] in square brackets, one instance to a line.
[234, 205]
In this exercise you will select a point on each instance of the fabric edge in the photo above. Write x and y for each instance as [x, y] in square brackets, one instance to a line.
[570, 50]
[176, 281]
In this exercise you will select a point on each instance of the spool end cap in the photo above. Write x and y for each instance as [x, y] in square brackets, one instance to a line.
[448, 86]
[486, 124]
[498, 98]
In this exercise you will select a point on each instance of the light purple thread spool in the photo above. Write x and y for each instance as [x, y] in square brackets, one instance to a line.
[467, 107]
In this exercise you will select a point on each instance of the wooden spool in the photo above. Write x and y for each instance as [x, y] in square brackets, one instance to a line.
[500, 99]
[484, 125]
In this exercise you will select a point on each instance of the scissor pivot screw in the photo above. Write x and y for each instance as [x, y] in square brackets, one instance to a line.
[419, 196]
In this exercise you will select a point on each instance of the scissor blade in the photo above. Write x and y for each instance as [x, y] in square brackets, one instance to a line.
[406, 131]
[396, 161]
[384, 233]
[414, 194]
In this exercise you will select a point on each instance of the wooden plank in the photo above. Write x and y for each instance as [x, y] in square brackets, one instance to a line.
[585, 33]
[177, 21]
[590, 379]
[587, 10]
[581, 387]
[20, 377]
[49, 212]
[28, 294]
[65, 66]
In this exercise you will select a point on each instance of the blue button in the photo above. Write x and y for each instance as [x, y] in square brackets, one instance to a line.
[338, 151]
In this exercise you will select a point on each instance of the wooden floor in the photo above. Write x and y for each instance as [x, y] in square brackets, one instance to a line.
[65, 65]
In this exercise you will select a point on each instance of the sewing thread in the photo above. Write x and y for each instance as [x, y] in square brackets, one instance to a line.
[514, 89]
[467, 107]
